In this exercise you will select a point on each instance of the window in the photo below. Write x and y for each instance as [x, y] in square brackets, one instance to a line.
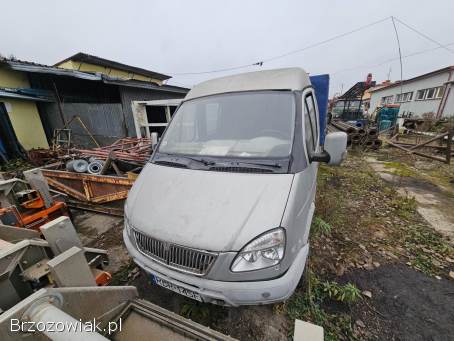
[405, 97]
[387, 99]
[240, 125]
[440, 92]
[310, 109]
[309, 136]
[431, 93]
[212, 118]
[421, 94]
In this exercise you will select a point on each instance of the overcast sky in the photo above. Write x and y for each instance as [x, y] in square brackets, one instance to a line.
[190, 36]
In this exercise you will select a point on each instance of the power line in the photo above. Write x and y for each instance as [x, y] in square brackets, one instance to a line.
[390, 60]
[214, 71]
[325, 41]
[392, 18]
[424, 35]
[261, 62]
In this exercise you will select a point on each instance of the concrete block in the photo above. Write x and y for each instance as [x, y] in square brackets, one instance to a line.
[38, 182]
[305, 331]
[70, 269]
[61, 235]
[14, 234]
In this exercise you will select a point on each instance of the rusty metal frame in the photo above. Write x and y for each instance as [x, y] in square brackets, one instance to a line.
[92, 188]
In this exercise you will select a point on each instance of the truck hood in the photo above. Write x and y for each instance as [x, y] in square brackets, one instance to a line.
[215, 211]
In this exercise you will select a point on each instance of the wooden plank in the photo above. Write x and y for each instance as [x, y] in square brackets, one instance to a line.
[429, 141]
[433, 157]
[449, 146]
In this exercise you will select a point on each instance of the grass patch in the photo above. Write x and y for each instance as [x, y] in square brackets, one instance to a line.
[356, 202]
[195, 311]
[320, 227]
[360, 221]
[308, 305]
[405, 207]
[400, 169]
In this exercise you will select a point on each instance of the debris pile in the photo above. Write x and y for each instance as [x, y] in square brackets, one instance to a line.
[99, 179]
[124, 155]
[359, 134]
[127, 149]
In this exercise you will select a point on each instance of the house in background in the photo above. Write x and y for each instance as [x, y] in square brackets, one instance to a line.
[430, 93]
[38, 99]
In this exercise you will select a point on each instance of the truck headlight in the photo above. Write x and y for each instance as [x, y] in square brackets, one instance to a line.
[264, 251]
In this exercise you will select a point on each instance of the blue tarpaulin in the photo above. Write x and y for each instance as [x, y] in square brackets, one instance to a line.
[320, 83]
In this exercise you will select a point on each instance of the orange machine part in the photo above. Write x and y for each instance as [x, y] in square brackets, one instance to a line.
[102, 277]
[34, 203]
[35, 220]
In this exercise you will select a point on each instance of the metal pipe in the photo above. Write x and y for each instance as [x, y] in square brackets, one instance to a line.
[361, 132]
[356, 138]
[45, 314]
[349, 129]
[372, 132]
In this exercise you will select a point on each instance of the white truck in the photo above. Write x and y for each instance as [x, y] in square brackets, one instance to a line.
[222, 211]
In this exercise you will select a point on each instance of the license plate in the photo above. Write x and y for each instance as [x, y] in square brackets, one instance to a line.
[176, 288]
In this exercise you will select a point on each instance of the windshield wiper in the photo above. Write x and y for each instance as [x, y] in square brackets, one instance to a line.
[201, 160]
[175, 159]
[272, 165]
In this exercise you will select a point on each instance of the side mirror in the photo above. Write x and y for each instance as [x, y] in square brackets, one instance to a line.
[334, 149]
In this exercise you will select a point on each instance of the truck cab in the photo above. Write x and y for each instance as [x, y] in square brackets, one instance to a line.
[222, 211]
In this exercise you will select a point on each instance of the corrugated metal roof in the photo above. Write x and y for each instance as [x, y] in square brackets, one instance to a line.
[87, 58]
[24, 66]
[19, 93]
[144, 85]
[19, 65]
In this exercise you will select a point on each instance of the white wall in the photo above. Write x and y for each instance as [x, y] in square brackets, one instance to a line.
[417, 108]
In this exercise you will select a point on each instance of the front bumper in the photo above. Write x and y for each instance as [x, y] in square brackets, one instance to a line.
[228, 293]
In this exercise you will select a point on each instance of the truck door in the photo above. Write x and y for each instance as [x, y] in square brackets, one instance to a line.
[311, 136]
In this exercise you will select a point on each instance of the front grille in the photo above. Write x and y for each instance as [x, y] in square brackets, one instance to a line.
[178, 257]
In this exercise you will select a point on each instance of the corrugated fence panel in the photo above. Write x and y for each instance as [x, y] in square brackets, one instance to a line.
[104, 120]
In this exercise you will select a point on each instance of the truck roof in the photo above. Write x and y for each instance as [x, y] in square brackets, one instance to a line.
[277, 79]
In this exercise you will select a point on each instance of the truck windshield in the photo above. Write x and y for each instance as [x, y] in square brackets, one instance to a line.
[245, 125]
